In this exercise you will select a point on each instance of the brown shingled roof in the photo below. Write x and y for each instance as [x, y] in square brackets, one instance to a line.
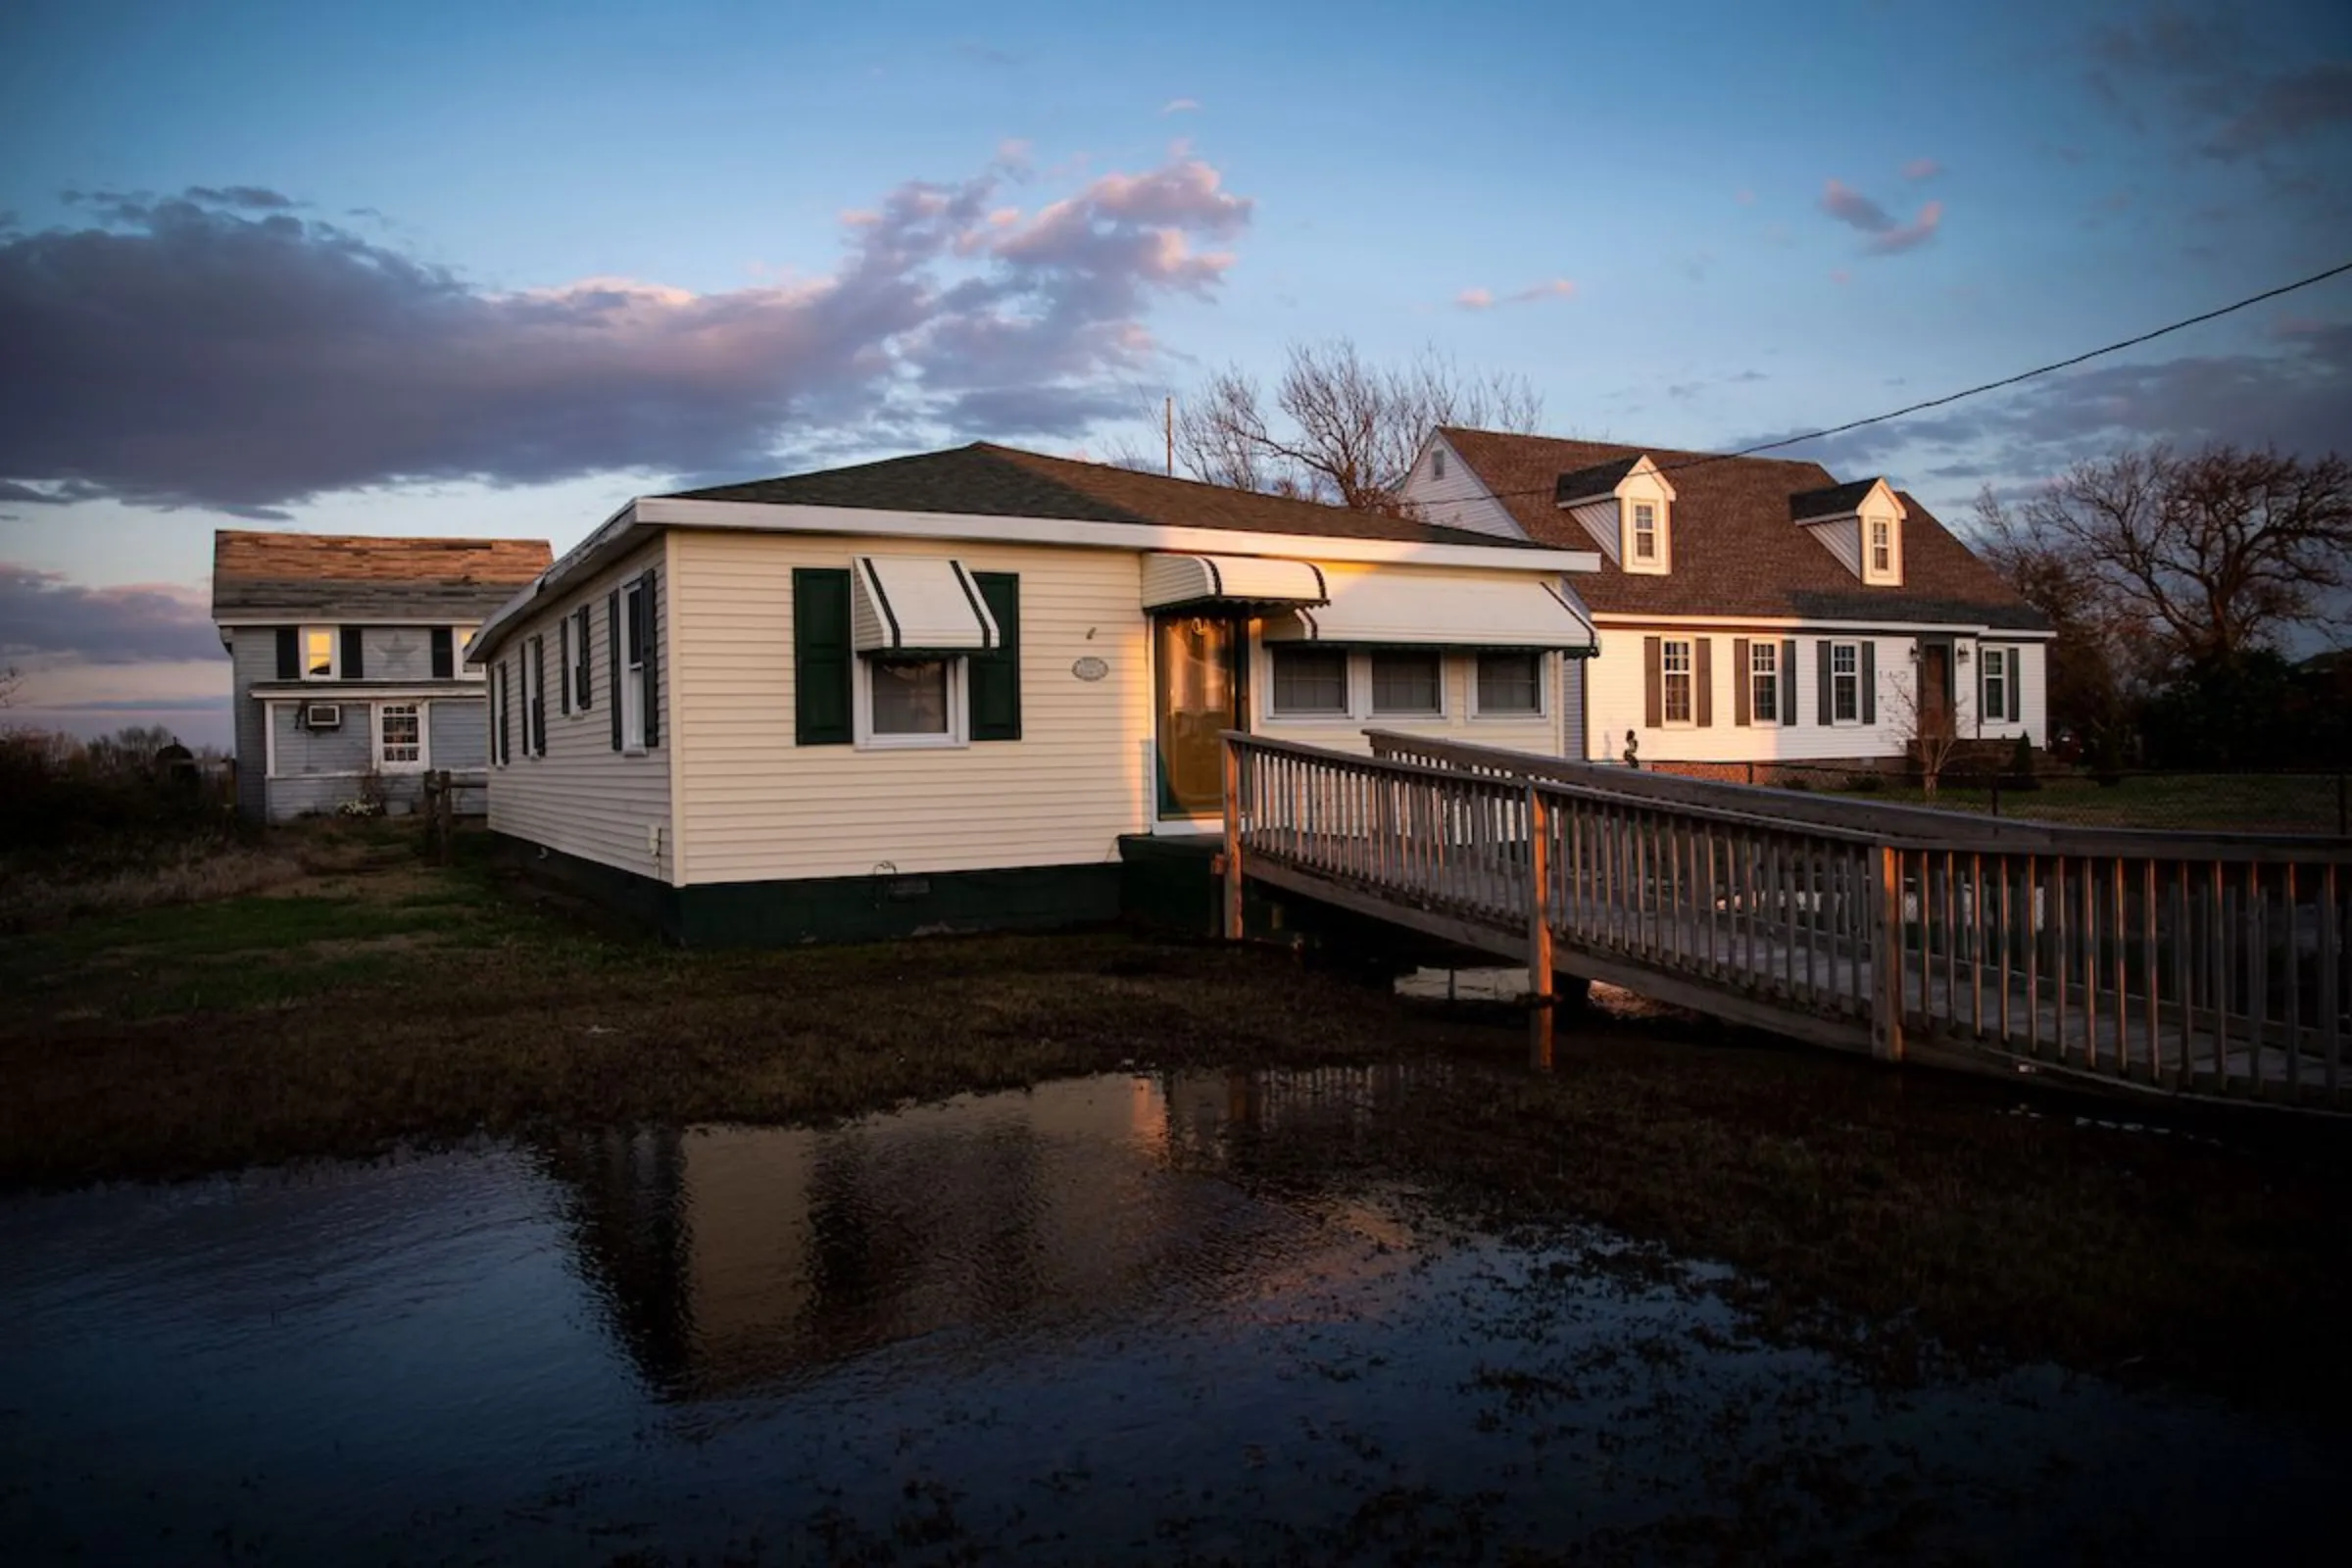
[1735, 550]
[356, 575]
[993, 482]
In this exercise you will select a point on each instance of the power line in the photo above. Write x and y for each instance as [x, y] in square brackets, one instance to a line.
[1974, 391]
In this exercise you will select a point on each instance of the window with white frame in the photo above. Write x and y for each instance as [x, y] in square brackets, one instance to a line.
[1407, 682]
[318, 653]
[1845, 683]
[1882, 547]
[1509, 685]
[459, 636]
[1646, 530]
[1764, 682]
[1994, 661]
[632, 686]
[399, 736]
[910, 702]
[1675, 680]
[1309, 683]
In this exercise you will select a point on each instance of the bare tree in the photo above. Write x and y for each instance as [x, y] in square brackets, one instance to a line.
[12, 681]
[2219, 552]
[1930, 731]
[1341, 428]
[2094, 664]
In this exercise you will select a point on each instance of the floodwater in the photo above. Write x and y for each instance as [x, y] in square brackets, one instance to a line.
[1094, 1322]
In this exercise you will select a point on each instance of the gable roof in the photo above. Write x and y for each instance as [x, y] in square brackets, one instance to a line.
[1837, 500]
[352, 577]
[1736, 552]
[987, 480]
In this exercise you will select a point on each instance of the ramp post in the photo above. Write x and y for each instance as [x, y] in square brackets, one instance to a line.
[1887, 958]
[1232, 840]
[1540, 1016]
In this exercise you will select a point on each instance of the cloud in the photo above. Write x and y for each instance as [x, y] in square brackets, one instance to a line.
[1180, 106]
[1919, 168]
[2233, 87]
[43, 615]
[253, 198]
[1481, 299]
[1888, 236]
[176, 354]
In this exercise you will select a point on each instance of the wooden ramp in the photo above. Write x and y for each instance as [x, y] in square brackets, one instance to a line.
[2187, 963]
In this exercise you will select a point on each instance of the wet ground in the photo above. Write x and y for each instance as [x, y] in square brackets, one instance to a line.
[1112, 1319]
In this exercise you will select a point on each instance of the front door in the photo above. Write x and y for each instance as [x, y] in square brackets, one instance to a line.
[1198, 695]
[1935, 688]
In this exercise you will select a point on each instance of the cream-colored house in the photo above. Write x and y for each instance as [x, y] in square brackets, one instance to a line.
[937, 692]
[1758, 617]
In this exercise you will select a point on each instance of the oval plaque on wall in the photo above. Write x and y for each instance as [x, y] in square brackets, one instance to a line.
[1090, 668]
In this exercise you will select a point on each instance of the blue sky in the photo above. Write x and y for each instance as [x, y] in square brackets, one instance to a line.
[461, 268]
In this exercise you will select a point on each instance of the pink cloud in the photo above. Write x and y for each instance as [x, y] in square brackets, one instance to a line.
[1180, 106]
[1919, 168]
[1889, 237]
[1480, 299]
[1917, 232]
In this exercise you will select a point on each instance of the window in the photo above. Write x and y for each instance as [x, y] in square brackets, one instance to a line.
[1509, 685]
[569, 661]
[318, 653]
[1845, 683]
[459, 636]
[1882, 547]
[578, 675]
[1996, 664]
[632, 666]
[1764, 681]
[1437, 463]
[1646, 530]
[1674, 669]
[911, 701]
[399, 736]
[1311, 683]
[1407, 682]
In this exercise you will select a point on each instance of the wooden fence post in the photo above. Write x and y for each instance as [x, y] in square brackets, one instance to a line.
[1232, 840]
[1539, 929]
[1887, 1020]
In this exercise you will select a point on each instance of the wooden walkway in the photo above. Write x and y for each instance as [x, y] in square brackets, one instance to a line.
[2190, 963]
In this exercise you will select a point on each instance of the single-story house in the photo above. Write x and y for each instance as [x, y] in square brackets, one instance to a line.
[937, 691]
[1752, 611]
[344, 660]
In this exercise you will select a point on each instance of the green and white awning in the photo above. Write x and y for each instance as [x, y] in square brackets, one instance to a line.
[917, 603]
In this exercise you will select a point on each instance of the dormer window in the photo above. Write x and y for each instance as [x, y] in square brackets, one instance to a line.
[1882, 547]
[1645, 531]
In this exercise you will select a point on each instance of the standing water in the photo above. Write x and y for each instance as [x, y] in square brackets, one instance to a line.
[1087, 1322]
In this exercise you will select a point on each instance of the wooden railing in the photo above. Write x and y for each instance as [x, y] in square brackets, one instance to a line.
[2206, 965]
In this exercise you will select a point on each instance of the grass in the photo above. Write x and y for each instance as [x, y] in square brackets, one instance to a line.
[2266, 802]
[369, 1003]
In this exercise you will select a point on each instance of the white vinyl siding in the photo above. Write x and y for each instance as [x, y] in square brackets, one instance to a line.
[755, 806]
[587, 798]
[1455, 498]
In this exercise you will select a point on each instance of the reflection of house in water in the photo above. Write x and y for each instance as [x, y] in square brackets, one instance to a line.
[731, 1257]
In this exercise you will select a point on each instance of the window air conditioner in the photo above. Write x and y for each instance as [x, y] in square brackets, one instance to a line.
[322, 715]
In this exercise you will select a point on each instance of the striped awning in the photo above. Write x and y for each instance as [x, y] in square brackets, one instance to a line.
[917, 603]
[1176, 581]
[1407, 608]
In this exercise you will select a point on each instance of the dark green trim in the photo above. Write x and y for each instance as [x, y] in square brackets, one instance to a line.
[995, 680]
[849, 908]
[821, 656]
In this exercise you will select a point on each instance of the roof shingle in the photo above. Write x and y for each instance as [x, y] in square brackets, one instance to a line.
[358, 574]
[993, 482]
[1735, 550]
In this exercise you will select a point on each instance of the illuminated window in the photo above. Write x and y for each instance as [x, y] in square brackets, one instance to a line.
[1882, 547]
[318, 653]
[399, 735]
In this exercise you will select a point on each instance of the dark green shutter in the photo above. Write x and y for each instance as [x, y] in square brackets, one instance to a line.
[996, 674]
[613, 636]
[1829, 698]
[651, 644]
[583, 676]
[445, 653]
[1870, 681]
[289, 653]
[2016, 663]
[506, 714]
[1788, 681]
[538, 697]
[354, 665]
[821, 656]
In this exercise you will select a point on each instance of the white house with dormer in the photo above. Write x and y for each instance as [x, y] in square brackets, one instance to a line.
[1750, 611]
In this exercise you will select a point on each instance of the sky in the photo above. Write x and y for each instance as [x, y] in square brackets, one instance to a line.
[455, 269]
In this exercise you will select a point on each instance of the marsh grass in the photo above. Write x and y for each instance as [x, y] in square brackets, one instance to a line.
[371, 1004]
